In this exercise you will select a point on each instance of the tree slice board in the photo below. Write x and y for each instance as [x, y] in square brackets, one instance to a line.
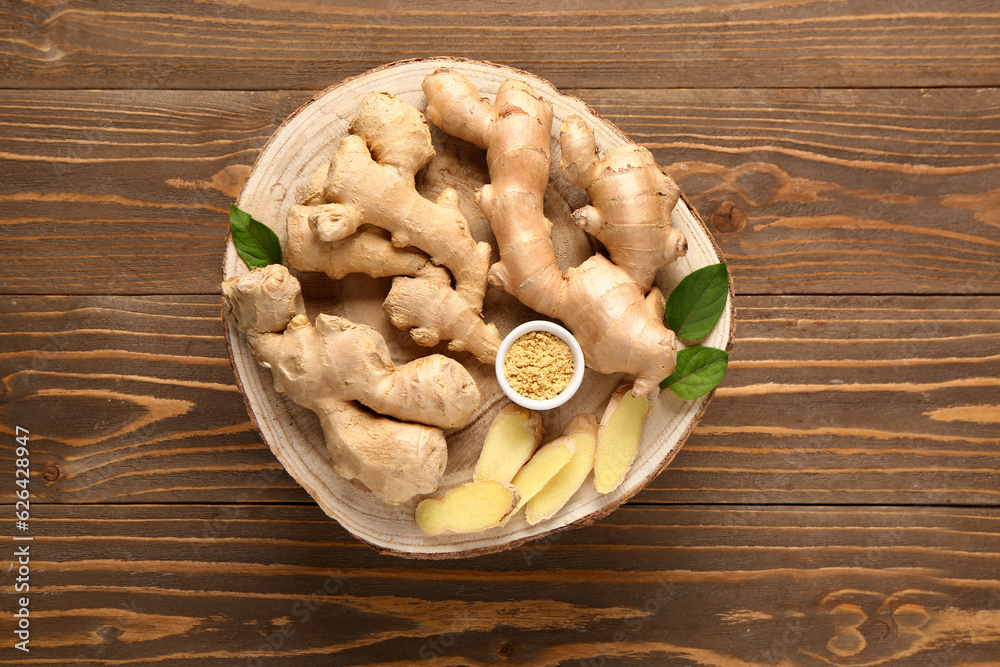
[307, 140]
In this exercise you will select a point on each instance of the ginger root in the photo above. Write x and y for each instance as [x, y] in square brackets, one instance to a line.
[362, 213]
[372, 176]
[618, 438]
[582, 431]
[619, 326]
[369, 251]
[469, 508]
[544, 464]
[427, 307]
[510, 441]
[335, 366]
[370, 182]
[630, 201]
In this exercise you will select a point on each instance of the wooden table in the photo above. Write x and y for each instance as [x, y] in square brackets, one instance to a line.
[838, 504]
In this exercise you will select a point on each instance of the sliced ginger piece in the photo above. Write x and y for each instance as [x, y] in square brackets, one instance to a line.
[582, 430]
[469, 508]
[539, 471]
[513, 437]
[618, 438]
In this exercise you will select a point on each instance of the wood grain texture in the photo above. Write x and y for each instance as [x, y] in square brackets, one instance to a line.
[856, 192]
[124, 192]
[277, 183]
[851, 400]
[889, 400]
[844, 190]
[129, 399]
[297, 44]
[845, 148]
[689, 585]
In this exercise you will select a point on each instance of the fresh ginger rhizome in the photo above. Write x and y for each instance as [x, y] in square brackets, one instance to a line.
[362, 213]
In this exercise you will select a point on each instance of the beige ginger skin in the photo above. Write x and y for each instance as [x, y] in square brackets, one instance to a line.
[369, 251]
[421, 300]
[427, 307]
[370, 183]
[371, 178]
[335, 366]
[631, 201]
[619, 326]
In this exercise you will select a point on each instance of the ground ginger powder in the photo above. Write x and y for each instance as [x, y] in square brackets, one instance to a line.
[538, 365]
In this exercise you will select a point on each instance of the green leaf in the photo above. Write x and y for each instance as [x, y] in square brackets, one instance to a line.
[256, 243]
[697, 302]
[699, 370]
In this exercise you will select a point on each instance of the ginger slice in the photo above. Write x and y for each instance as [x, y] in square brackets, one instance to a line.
[541, 468]
[618, 438]
[513, 437]
[582, 430]
[469, 508]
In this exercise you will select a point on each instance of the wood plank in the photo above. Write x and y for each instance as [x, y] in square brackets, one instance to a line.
[176, 586]
[130, 399]
[857, 192]
[125, 192]
[843, 191]
[295, 44]
[850, 400]
[828, 400]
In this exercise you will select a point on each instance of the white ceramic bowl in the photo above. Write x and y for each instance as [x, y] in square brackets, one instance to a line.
[578, 365]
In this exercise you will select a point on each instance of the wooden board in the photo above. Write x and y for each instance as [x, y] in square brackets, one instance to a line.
[124, 192]
[129, 399]
[848, 399]
[278, 181]
[858, 140]
[887, 400]
[127, 191]
[842, 191]
[180, 586]
[646, 44]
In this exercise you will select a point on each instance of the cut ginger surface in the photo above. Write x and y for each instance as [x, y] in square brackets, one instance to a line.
[511, 440]
[542, 467]
[469, 508]
[582, 430]
[618, 438]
